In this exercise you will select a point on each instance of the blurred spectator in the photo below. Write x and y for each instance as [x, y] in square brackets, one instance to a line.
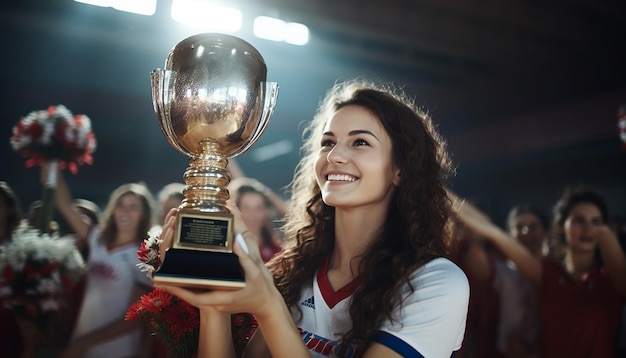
[169, 197]
[33, 217]
[258, 212]
[10, 217]
[518, 318]
[475, 256]
[114, 281]
[580, 297]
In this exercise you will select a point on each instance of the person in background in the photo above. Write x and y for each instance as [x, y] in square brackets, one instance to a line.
[89, 210]
[91, 214]
[618, 225]
[32, 217]
[278, 204]
[169, 197]
[113, 279]
[518, 321]
[581, 295]
[10, 212]
[475, 257]
[257, 212]
[364, 273]
[11, 342]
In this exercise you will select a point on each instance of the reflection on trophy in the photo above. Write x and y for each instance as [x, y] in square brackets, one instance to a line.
[213, 103]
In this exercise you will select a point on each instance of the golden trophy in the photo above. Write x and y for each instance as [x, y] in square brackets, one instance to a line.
[213, 103]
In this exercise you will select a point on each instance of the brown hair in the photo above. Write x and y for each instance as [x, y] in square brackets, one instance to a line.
[13, 207]
[416, 225]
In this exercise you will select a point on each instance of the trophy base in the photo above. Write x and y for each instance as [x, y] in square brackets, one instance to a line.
[200, 269]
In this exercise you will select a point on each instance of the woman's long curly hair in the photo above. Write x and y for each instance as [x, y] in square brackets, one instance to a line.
[417, 223]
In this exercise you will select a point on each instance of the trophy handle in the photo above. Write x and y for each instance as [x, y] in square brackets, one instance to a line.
[270, 97]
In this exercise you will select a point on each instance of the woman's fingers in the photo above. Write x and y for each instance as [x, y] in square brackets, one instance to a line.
[167, 233]
[225, 301]
[238, 223]
[253, 266]
[194, 298]
[170, 214]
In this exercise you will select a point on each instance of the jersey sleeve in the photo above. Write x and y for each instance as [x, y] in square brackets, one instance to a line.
[431, 320]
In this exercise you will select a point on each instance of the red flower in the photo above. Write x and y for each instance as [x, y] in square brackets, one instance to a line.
[176, 323]
[143, 252]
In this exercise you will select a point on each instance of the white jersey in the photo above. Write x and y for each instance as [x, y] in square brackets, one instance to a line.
[431, 322]
[112, 275]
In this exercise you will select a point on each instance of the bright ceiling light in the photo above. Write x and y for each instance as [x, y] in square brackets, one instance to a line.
[102, 3]
[141, 7]
[296, 34]
[269, 28]
[207, 15]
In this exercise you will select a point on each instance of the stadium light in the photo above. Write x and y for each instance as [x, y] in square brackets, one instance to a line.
[269, 28]
[296, 34]
[274, 29]
[207, 15]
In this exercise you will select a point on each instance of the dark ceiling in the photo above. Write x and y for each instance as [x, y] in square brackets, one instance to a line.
[525, 91]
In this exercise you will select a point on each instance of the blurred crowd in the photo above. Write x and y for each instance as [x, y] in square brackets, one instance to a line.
[546, 285]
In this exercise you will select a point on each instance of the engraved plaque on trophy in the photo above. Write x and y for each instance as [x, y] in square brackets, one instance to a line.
[212, 102]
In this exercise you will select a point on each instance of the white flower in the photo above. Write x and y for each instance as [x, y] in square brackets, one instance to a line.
[27, 247]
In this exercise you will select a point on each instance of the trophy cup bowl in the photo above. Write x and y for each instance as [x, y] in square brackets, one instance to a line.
[212, 102]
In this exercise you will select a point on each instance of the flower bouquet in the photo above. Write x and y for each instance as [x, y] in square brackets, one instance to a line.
[57, 136]
[38, 268]
[54, 134]
[36, 273]
[174, 321]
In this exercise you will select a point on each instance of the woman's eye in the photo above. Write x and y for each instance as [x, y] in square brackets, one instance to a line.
[327, 143]
[360, 141]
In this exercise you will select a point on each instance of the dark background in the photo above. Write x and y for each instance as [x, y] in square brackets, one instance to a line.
[526, 93]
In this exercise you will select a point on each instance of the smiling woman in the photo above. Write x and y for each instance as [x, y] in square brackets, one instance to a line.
[356, 149]
[113, 280]
[364, 273]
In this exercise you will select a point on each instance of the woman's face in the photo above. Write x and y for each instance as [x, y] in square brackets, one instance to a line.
[128, 212]
[581, 227]
[254, 211]
[354, 165]
[528, 230]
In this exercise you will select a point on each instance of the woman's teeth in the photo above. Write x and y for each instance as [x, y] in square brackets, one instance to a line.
[341, 177]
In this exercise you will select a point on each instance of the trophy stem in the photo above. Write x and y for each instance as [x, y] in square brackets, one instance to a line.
[207, 179]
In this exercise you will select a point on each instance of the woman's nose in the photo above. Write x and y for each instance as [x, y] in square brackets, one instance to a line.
[337, 155]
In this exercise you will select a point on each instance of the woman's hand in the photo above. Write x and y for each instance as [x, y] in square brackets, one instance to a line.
[280, 336]
[257, 297]
[259, 294]
[612, 256]
[167, 233]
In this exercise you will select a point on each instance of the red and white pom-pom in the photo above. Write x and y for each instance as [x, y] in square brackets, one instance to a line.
[55, 134]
